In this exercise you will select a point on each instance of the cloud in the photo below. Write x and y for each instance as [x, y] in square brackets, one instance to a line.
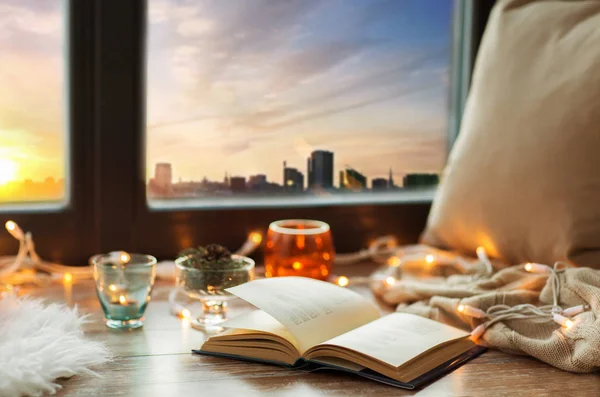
[244, 75]
[301, 65]
[195, 27]
[37, 20]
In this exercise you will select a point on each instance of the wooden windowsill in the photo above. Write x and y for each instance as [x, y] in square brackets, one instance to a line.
[156, 361]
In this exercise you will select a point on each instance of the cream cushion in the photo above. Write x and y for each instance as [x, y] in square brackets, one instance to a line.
[523, 178]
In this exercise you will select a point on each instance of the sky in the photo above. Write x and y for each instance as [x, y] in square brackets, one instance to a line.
[244, 85]
[32, 90]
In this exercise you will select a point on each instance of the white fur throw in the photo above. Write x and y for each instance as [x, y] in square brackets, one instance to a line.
[41, 343]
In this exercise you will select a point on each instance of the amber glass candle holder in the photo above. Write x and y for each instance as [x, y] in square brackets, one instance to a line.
[299, 247]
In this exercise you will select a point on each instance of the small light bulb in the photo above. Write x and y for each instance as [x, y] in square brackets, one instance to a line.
[390, 280]
[68, 278]
[112, 287]
[394, 261]
[122, 300]
[537, 268]
[125, 257]
[478, 332]
[568, 324]
[185, 313]
[572, 311]
[562, 320]
[343, 281]
[471, 311]
[14, 230]
[481, 254]
[256, 238]
[429, 259]
[297, 265]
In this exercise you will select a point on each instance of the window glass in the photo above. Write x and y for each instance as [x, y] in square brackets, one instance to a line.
[293, 99]
[33, 134]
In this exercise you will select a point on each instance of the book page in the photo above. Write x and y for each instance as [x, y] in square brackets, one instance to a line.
[397, 338]
[258, 320]
[312, 311]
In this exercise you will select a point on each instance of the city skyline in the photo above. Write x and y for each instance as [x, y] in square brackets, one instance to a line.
[239, 87]
[317, 176]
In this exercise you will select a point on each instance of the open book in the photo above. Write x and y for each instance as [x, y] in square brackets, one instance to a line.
[310, 324]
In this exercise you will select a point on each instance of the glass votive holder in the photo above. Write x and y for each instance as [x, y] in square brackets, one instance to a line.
[123, 284]
[208, 284]
[299, 247]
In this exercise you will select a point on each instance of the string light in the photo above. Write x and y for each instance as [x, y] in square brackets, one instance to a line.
[481, 254]
[250, 245]
[256, 237]
[68, 278]
[394, 261]
[14, 230]
[379, 250]
[483, 257]
[562, 320]
[572, 311]
[478, 331]
[20, 268]
[537, 268]
[471, 311]
[342, 281]
[552, 312]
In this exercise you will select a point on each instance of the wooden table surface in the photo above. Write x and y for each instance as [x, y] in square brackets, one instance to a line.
[156, 361]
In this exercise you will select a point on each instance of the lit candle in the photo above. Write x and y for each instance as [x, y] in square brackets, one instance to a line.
[123, 308]
[297, 247]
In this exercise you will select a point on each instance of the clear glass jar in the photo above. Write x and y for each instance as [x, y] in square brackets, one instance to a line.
[123, 284]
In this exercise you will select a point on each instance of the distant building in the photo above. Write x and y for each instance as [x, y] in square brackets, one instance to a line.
[162, 183]
[391, 183]
[237, 184]
[226, 179]
[320, 170]
[416, 180]
[257, 183]
[163, 174]
[293, 180]
[350, 179]
[379, 184]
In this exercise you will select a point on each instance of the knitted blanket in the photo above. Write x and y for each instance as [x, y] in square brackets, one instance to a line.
[574, 348]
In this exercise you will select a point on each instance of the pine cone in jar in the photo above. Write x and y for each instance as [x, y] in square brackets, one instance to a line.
[216, 253]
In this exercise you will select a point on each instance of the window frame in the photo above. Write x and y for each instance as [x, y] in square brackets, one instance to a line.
[108, 209]
[164, 233]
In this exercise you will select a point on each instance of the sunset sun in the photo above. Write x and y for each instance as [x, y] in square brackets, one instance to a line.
[8, 171]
